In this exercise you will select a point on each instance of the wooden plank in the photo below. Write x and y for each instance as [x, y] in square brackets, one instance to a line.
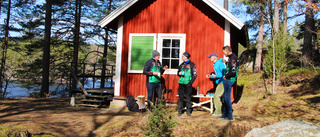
[109, 91]
[90, 100]
[89, 105]
[78, 82]
[95, 76]
[96, 96]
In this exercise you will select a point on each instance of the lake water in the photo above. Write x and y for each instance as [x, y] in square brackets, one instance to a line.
[20, 90]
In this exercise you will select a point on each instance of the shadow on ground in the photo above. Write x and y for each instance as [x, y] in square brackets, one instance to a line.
[308, 87]
[238, 93]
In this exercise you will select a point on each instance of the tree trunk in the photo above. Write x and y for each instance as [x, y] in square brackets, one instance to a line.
[285, 17]
[104, 63]
[0, 8]
[76, 40]
[46, 51]
[271, 16]
[316, 47]
[257, 65]
[105, 52]
[307, 40]
[276, 16]
[4, 53]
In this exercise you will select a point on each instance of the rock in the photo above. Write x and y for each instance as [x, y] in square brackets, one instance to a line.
[287, 128]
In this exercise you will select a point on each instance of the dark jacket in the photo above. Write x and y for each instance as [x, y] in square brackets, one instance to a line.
[149, 64]
[193, 70]
[232, 67]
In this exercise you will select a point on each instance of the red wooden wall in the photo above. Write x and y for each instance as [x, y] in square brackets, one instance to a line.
[204, 31]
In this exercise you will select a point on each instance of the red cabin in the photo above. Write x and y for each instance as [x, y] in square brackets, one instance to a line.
[172, 27]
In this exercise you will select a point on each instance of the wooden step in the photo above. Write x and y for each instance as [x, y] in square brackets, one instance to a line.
[89, 105]
[96, 96]
[106, 91]
[100, 97]
[91, 100]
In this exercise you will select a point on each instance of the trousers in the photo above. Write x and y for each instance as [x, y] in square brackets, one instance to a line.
[184, 90]
[153, 87]
[227, 111]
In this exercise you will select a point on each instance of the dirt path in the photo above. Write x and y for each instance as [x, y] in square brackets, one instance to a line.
[53, 116]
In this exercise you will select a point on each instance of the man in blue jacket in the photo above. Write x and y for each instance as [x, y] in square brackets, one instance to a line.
[153, 70]
[219, 69]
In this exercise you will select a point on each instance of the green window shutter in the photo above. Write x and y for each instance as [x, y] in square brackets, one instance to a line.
[141, 52]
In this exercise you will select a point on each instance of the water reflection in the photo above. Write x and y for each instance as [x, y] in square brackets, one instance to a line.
[20, 90]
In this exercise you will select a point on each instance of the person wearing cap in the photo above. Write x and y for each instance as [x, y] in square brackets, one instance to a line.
[219, 69]
[229, 79]
[153, 71]
[187, 72]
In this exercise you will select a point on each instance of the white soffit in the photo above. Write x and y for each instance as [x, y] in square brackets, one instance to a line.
[116, 13]
[224, 13]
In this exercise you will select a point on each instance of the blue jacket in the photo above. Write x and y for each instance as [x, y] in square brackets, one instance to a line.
[219, 69]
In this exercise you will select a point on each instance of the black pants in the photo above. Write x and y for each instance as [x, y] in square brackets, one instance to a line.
[184, 90]
[153, 87]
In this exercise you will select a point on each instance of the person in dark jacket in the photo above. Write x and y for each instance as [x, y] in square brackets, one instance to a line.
[187, 72]
[229, 79]
[153, 71]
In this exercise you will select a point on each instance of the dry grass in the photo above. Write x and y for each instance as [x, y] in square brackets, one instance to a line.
[54, 116]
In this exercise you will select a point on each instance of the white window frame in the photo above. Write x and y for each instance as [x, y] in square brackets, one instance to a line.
[182, 38]
[130, 45]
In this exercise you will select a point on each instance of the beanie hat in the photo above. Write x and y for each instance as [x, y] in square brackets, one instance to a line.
[213, 54]
[186, 54]
[155, 53]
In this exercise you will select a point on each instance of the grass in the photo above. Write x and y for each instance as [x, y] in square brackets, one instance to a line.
[13, 131]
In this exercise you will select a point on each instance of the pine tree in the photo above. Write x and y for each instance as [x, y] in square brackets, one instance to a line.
[160, 122]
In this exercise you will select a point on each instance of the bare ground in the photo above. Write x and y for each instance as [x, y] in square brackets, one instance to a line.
[55, 117]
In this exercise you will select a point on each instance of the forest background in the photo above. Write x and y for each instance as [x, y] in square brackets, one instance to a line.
[40, 39]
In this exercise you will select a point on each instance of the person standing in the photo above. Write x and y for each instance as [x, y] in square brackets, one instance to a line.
[153, 71]
[228, 81]
[219, 69]
[187, 72]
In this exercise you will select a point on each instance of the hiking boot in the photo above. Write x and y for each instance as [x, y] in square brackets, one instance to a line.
[179, 113]
[222, 117]
[189, 113]
[217, 115]
[227, 119]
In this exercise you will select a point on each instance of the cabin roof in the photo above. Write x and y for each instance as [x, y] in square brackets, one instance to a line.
[211, 3]
[215, 6]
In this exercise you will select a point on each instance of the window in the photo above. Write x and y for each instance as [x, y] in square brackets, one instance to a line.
[140, 51]
[170, 46]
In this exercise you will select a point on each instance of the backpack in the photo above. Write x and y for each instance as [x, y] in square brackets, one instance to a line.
[132, 104]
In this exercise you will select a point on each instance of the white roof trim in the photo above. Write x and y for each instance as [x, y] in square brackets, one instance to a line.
[215, 6]
[224, 13]
[117, 12]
